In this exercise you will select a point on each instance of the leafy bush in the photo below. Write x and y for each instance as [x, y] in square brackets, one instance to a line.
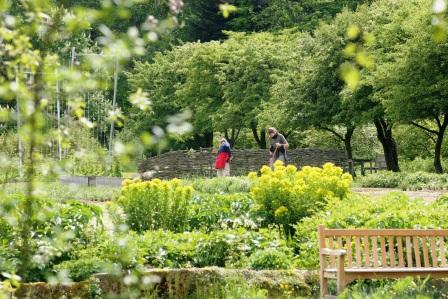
[399, 289]
[419, 164]
[173, 250]
[81, 269]
[396, 210]
[214, 211]
[286, 195]
[57, 228]
[406, 181]
[270, 258]
[156, 204]
[230, 248]
[382, 179]
[220, 185]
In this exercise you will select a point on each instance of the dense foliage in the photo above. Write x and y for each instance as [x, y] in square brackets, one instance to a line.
[194, 71]
[406, 181]
[393, 211]
[285, 195]
[156, 204]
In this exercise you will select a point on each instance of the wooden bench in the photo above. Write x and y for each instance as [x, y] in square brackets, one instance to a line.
[350, 254]
[379, 163]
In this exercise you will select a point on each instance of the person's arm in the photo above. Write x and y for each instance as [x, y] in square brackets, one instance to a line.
[285, 143]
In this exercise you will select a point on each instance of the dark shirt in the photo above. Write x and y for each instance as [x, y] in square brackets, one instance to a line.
[278, 138]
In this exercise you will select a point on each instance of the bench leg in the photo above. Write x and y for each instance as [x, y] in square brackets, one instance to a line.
[340, 275]
[323, 285]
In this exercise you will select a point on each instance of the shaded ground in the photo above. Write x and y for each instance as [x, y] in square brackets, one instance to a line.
[428, 195]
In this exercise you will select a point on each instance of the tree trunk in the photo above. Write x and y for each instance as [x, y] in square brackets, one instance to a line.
[260, 139]
[438, 149]
[208, 139]
[384, 133]
[263, 144]
[439, 142]
[348, 147]
[348, 143]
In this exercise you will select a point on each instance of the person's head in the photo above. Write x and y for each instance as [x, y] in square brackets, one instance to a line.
[223, 141]
[272, 132]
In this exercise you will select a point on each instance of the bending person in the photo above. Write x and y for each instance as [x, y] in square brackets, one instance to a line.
[278, 148]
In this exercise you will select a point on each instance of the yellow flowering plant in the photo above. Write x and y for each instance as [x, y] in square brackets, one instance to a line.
[156, 204]
[284, 194]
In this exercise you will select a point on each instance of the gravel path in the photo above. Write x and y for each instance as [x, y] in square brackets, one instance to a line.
[428, 195]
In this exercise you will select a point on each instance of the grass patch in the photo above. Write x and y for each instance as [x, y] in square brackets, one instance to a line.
[404, 180]
[62, 192]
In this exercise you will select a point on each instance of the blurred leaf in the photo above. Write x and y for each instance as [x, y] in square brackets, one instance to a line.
[227, 9]
[353, 32]
[439, 6]
[351, 75]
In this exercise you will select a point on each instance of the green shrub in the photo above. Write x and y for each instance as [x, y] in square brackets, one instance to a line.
[57, 229]
[225, 248]
[271, 259]
[156, 204]
[285, 195]
[81, 269]
[232, 248]
[167, 249]
[398, 289]
[396, 210]
[382, 179]
[419, 164]
[220, 185]
[215, 211]
[405, 180]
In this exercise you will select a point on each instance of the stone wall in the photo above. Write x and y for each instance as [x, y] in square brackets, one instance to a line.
[180, 283]
[190, 163]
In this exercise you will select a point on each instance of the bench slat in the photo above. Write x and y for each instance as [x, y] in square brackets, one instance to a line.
[434, 252]
[409, 251]
[425, 252]
[340, 246]
[391, 251]
[400, 252]
[417, 252]
[367, 251]
[375, 251]
[442, 252]
[383, 252]
[386, 232]
[392, 270]
[330, 245]
[348, 246]
[358, 252]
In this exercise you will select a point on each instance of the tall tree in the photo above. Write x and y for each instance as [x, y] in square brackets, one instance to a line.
[414, 82]
[311, 90]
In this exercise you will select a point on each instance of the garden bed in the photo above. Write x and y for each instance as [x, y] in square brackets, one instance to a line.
[181, 283]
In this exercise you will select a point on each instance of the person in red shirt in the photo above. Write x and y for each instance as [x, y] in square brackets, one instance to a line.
[223, 158]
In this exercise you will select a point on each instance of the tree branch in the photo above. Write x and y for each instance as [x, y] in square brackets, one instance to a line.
[424, 128]
[333, 132]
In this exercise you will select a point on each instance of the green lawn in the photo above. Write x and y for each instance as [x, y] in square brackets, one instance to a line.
[62, 192]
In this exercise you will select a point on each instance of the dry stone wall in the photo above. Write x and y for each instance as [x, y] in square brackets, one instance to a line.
[189, 163]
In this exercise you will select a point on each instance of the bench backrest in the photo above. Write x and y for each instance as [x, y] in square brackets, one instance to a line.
[380, 161]
[380, 248]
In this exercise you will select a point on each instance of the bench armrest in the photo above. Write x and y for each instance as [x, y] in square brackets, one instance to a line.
[333, 252]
